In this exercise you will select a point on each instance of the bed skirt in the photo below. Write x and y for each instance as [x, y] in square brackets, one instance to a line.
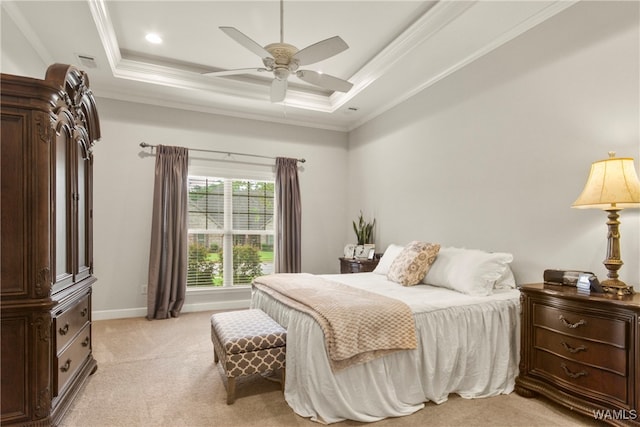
[472, 351]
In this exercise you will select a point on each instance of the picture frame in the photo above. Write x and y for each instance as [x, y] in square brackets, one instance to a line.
[362, 251]
[349, 251]
[372, 253]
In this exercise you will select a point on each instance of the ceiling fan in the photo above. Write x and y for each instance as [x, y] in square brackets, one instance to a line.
[283, 59]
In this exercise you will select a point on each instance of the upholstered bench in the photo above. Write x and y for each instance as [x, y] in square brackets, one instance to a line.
[247, 342]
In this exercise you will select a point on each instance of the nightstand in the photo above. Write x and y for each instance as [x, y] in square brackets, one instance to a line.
[581, 350]
[355, 265]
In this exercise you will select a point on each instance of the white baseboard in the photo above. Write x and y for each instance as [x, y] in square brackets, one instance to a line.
[187, 308]
[118, 314]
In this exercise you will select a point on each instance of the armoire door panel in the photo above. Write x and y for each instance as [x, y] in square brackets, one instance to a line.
[14, 370]
[61, 209]
[13, 279]
[82, 212]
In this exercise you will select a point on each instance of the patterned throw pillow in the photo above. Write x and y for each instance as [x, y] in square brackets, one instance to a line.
[411, 265]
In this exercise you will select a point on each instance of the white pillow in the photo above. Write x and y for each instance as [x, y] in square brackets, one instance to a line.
[506, 281]
[387, 258]
[470, 271]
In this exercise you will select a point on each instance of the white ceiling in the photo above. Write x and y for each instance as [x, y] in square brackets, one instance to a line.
[396, 49]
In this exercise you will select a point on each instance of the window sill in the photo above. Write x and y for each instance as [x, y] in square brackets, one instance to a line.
[219, 289]
[218, 298]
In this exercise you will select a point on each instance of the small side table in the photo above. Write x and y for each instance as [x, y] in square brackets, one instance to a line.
[355, 265]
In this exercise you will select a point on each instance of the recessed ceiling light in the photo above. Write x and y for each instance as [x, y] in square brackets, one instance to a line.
[153, 38]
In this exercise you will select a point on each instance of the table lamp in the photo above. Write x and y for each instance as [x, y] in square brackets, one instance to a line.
[612, 185]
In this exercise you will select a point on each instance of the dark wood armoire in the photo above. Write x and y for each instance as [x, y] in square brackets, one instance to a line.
[48, 129]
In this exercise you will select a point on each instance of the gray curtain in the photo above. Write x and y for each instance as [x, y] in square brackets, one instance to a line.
[168, 258]
[289, 217]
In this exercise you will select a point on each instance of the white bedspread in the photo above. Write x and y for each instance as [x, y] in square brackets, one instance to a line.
[466, 345]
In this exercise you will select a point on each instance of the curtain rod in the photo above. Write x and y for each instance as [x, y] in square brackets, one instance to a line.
[145, 145]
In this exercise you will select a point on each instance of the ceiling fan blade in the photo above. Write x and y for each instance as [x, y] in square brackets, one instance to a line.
[321, 50]
[278, 90]
[324, 80]
[246, 42]
[233, 72]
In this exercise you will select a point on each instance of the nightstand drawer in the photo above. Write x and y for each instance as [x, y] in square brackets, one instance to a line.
[582, 325]
[581, 350]
[355, 265]
[587, 378]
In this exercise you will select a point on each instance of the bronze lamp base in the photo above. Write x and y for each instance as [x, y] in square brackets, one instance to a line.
[613, 261]
[615, 286]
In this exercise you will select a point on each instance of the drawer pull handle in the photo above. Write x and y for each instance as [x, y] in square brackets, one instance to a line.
[572, 374]
[573, 349]
[85, 343]
[84, 312]
[66, 366]
[570, 325]
[64, 329]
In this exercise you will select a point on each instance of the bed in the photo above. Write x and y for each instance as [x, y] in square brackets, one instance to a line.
[467, 342]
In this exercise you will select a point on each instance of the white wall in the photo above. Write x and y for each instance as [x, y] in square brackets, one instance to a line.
[494, 156]
[123, 188]
[17, 56]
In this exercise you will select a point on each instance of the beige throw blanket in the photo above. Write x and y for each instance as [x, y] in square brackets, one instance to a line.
[358, 325]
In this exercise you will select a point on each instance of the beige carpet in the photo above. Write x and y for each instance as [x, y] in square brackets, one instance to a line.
[161, 373]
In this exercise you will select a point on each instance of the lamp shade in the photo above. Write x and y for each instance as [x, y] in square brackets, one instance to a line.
[612, 182]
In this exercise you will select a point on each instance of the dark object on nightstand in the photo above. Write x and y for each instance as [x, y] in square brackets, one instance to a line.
[581, 350]
[356, 265]
[562, 277]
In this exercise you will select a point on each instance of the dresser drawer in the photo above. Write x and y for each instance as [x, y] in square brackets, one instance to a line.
[588, 379]
[72, 358]
[582, 350]
[574, 323]
[68, 323]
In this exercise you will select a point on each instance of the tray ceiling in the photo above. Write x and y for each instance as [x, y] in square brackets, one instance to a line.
[396, 49]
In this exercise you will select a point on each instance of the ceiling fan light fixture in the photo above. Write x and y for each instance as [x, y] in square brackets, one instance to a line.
[281, 73]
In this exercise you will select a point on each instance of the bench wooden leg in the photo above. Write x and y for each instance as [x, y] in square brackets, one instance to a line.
[231, 390]
[215, 356]
[283, 376]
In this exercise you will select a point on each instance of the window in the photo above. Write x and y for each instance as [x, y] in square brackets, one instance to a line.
[231, 231]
